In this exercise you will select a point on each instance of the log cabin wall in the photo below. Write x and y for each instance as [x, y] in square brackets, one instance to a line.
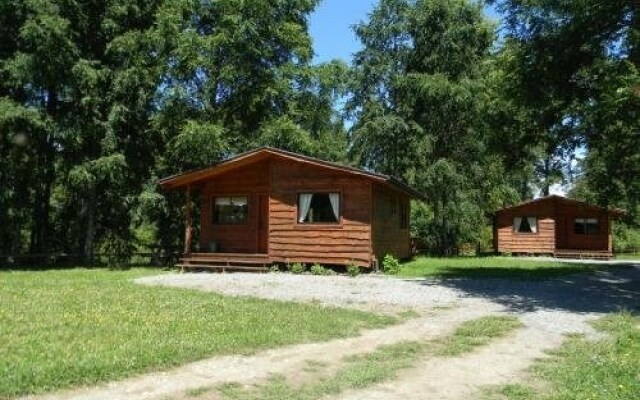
[543, 241]
[342, 243]
[389, 234]
[248, 181]
[566, 236]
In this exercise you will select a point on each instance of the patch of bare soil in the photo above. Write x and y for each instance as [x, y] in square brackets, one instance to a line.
[458, 378]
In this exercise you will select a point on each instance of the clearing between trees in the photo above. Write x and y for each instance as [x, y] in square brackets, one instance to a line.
[548, 309]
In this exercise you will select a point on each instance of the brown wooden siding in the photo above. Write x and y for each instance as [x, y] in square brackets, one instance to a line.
[244, 182]
[289, 241]
[543, 241]
[566, 237]
[388, 237]
[556, 219]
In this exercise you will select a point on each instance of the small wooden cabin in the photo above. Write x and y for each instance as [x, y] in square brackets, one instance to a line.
[270, 205]
[557, 226]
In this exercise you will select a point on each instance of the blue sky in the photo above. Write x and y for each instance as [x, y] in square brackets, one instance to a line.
[331, 24]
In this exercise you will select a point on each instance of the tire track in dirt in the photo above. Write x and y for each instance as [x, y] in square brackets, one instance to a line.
[252, 369]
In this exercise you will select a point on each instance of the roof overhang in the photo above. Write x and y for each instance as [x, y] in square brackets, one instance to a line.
[198, 176]
[616, 212]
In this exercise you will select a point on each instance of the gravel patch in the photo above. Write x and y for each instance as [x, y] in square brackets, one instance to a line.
[364, 292]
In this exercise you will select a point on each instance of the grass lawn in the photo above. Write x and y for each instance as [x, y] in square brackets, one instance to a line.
[628, 256]
[607, 369]
[482, 267]
[75, 327]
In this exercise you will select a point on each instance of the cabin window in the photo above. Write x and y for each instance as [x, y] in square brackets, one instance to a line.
[586, 226]
[404, 215]
[525, 224]
[314, 208]
[230, 210]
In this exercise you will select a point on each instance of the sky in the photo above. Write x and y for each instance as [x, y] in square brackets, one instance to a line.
[330, 27]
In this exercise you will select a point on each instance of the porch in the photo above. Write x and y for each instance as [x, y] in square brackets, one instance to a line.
[224, 262]
[583, 254]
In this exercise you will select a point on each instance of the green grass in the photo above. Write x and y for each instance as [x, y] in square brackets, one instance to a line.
[360, 372]
[76, 327]
[473, 334]
[607, 369]
[383, 364]
[483, 267]
[628, 256]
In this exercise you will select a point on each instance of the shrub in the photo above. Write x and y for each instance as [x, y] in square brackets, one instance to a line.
[353, 270]
[317, 269]
[626, 239]
[274, 268]
[297, 268]
[390, 265]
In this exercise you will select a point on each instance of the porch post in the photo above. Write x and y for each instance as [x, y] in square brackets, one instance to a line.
[188, 222]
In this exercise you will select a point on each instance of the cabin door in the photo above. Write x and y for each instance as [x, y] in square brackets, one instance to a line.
[263, 223]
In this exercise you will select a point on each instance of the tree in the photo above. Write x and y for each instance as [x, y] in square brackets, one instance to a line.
[418, 97]
[576, 67]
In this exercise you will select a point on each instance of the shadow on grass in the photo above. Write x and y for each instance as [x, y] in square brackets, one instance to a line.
[604, 289]
[512, 273]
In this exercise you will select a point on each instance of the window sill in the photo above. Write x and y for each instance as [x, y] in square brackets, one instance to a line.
[324, 227]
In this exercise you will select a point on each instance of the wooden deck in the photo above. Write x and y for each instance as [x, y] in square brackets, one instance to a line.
[583, 254]
[224, 262]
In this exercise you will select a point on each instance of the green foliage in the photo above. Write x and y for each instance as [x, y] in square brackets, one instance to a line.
[419, 99]
[79, 327]
[317, 269]
[275, 268]
[571, 69]
[98, 102]
[626, 239]
[475, 333]
[297, 268]
[353, 270]
[390, 265]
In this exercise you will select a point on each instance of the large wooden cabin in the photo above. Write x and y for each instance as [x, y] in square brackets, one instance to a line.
[270, 205]
[557, 226]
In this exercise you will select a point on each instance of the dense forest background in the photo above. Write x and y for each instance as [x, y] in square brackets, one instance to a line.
[100, 98]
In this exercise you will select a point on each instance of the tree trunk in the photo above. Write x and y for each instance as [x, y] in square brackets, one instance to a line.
[90, 226]
[42, 196]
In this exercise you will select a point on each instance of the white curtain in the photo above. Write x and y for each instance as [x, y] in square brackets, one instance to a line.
[334, 198]
[516, 224]
[304, 204]
[533, 224]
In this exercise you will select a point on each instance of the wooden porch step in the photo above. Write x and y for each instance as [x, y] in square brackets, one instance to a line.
[583, 254]
[228, 256]
[226, 262]
[223, 268]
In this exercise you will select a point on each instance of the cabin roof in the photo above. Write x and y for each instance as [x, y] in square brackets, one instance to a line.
[556, 198]
[262, 153]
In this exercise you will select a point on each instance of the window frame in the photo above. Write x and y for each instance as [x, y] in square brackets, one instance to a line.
[517, 231]
[585, 223]
[230, 196]
[327, 225]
